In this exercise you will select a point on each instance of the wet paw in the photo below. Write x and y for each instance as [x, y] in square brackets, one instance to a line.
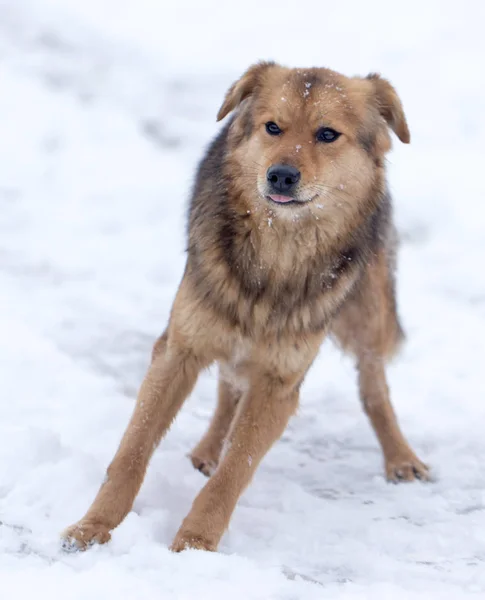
[205, 462]
[84, 534]
[185, 540]
[407, 468]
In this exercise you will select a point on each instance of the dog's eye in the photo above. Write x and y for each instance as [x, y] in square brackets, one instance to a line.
[272, 128]
[327, 135]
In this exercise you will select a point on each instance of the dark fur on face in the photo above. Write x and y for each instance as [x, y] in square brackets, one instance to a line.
[268, 275]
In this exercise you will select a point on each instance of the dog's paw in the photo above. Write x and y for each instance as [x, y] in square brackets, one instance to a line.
[84, 534]
[185, 540]
[204, 461]
[406, 468]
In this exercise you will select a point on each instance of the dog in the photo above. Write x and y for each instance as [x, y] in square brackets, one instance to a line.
[290, 240]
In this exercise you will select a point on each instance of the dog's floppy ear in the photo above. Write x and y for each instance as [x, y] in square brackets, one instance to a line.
[242, 88]
[390, 107]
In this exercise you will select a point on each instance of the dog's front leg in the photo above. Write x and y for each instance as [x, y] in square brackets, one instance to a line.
[261, 418]
[169, 381]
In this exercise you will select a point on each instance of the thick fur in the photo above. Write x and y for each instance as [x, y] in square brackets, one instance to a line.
[265, 283]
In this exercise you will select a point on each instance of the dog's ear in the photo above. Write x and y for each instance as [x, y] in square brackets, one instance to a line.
[242, 88]
[389, 106]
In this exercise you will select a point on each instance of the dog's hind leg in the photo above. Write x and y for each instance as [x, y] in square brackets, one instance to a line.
[205, 456]
[169, 381]
[369, 328]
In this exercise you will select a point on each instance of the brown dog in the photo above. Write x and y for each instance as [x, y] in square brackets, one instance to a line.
[290, 239]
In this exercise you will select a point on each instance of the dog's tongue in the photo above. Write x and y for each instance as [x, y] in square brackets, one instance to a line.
[281, 199]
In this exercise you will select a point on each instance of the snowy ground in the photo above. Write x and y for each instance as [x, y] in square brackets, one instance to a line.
[105, 107]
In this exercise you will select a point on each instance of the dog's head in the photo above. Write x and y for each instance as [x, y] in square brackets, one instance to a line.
[310, 136]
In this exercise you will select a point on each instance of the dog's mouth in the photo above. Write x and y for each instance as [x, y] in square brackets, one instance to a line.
[288, 200]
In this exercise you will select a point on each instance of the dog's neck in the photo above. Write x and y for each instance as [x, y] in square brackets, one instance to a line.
[286, 271]
[279, 241]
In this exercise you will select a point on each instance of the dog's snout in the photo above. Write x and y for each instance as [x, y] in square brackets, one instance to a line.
[283, 178]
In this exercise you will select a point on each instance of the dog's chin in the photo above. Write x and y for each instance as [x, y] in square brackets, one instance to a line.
[287, 200]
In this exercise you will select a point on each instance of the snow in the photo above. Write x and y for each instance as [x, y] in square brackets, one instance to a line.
[105, 108]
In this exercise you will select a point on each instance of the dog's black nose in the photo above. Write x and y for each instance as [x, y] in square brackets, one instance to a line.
[283, 178]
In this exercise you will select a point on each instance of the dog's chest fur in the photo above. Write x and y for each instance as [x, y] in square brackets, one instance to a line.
[269, 289]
